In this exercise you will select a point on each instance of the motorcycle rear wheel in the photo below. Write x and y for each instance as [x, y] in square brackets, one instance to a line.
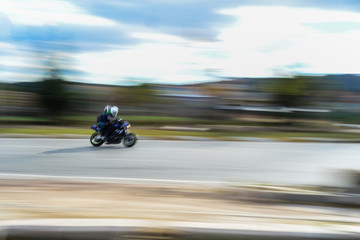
[95, 141]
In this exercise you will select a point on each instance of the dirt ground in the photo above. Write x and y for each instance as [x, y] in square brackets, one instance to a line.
[56, 199]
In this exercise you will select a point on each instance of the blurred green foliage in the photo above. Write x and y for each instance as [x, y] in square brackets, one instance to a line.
[300, 91]
[289, 92]
[218, 135]
[54, 96]
[137, 95]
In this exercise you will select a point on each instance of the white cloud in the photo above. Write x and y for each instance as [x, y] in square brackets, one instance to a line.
[268, 38]
[162, 62]
[260, 42]
[7, 46]
[11, 76]
[157, 37]
[39, 12]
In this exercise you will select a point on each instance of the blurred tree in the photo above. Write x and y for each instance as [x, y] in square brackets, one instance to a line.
[301, 91]
[289, 92]
[53, 94]
[139, 95]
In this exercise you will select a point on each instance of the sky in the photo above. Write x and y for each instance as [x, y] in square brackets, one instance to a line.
[124, 42]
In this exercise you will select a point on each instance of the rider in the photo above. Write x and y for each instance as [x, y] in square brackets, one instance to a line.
[108, 117]
[103, 118]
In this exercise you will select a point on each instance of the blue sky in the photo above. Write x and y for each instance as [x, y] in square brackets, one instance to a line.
[177, 41]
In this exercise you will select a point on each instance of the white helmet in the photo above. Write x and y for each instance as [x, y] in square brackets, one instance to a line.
[107, 109]
[114, 111]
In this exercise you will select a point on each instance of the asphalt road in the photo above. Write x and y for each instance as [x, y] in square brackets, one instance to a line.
[204, 161]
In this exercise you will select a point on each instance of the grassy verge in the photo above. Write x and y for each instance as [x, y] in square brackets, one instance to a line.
[285, 136]
[136, 120]
[21, 119]
[45, 131]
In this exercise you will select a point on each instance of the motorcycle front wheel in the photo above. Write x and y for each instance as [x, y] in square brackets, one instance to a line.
[130, 140]
[95, 141]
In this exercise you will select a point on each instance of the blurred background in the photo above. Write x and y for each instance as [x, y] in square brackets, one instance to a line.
[312, 104]
[181, 64]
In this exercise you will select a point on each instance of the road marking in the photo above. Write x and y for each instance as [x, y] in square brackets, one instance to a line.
[105, 179]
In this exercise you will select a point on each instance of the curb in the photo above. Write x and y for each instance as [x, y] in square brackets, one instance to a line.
[94, 229]
[344, 200]
[191, 138]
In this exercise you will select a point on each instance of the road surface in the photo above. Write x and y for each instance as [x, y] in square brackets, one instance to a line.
[199, 161]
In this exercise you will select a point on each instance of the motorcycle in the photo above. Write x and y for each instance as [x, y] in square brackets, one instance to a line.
[120, 131]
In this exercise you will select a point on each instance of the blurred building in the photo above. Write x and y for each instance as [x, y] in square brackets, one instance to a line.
[230, 98]
[18, 103]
